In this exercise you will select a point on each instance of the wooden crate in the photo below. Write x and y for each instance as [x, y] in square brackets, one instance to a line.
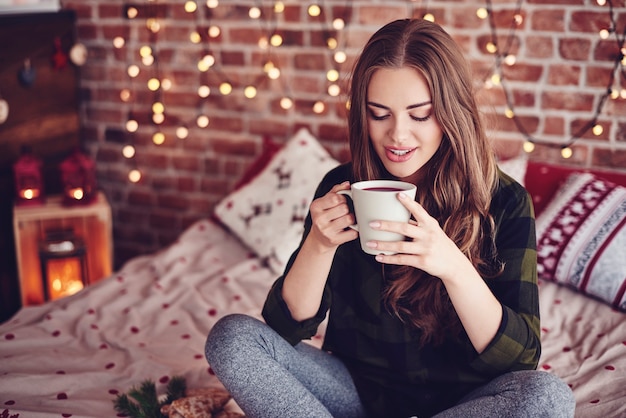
[92, 223]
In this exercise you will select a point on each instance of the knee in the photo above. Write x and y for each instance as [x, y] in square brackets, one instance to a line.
[553, 393]
[226, 334]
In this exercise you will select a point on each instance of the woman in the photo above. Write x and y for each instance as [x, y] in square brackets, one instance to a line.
[450, 324]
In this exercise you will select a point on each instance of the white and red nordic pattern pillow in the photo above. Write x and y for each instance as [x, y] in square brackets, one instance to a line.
[268, 212]
[581, 238]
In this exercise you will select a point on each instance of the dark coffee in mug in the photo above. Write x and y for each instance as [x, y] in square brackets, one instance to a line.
[383, 189]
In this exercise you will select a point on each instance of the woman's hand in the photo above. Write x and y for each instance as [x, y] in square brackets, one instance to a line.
[431, 250]
[331, 217]
[428, 247]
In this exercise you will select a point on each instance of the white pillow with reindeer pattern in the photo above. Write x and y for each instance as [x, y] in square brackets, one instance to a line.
[268, 213]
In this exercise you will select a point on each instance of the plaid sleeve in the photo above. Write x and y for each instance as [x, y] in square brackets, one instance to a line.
[275, 310]
[517, 344]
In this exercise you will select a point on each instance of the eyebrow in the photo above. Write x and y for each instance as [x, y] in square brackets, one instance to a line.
[413, 106]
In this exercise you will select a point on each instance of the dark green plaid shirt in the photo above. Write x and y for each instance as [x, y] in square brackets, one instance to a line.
[394, 376]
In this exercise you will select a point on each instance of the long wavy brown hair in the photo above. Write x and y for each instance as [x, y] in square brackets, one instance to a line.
[459, 180]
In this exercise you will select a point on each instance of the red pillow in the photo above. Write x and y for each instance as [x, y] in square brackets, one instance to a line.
[270, 148]
[543, 180]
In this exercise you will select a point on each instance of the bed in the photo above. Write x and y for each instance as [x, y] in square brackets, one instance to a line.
[72, 357]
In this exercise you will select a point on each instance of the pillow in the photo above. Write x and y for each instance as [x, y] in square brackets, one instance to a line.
[270, 148]
[515, 167]
[581, 237]
[267, 213]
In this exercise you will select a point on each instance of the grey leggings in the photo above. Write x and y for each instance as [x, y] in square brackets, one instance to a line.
[269, 378]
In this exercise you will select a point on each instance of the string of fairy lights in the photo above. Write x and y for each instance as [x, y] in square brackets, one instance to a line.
[616, 87]
[205, 33]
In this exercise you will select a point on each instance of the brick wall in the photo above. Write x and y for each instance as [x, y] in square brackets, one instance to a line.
[560, 74]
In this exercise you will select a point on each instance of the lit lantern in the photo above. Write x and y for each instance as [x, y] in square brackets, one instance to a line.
[63, 265]
[29, 186]
[78, 176]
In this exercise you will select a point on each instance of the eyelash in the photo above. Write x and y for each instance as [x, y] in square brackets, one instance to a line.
[415, 118]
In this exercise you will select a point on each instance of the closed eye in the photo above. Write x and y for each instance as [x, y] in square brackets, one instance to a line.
[418, 119]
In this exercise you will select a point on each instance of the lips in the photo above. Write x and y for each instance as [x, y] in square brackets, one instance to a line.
[398, 155]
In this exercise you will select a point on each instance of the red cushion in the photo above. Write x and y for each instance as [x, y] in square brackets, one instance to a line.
[270, 148]
[543, 180]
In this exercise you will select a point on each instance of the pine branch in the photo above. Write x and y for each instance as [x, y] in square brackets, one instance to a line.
[125, 406]
[175, 389]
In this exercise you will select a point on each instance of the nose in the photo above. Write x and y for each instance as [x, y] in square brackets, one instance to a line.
[400, 129]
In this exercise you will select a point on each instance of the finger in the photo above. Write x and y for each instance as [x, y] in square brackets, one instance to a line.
[419, 213]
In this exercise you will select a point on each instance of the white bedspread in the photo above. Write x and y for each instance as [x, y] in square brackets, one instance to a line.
[149, 320]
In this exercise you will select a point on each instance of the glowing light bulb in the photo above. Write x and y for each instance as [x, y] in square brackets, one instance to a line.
[601, 2]
[190, 6]
[226, 88]
[118, 42]
[158, 118]
[518, 19]
[250, 92]
[195, 37]
[286, 103]
[314, 10]
[339, 24]
[148, 61]
[254, 13]
[214, 31]
[491, 47]
[279, 7]
[614, 94]
[482, 13]
[509, 113]
[319, 107]
[273, 73]
[510, 60]
[340, 57]
[132, 125]
[604, 34]
[567, 152]
[204, 91]
[597, 130]
[528, 147]
[429, 16]
[212, 4]
[158, 107]
[495, 79]
[153, 25]
[153, 84]
[202, 121]
[132, 12]
[125, 95]
[134, 176]
[158, 138]
[133, 70]
[276, 40]
[332, 75]
[128, 151]
[166, 84]
[334, 90]
[182, 132]
[332, 43]
[145, 51]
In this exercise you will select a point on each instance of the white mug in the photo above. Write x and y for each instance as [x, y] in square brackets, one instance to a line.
[377, 200]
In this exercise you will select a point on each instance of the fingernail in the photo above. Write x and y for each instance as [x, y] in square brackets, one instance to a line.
[379, 257]
[371, 244]
[402, 195]
[374, 224]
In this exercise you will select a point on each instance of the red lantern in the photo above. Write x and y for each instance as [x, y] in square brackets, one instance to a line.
[78, 175]
[29, 187]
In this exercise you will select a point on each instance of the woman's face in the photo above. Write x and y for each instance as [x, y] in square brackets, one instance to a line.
[402, 128]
